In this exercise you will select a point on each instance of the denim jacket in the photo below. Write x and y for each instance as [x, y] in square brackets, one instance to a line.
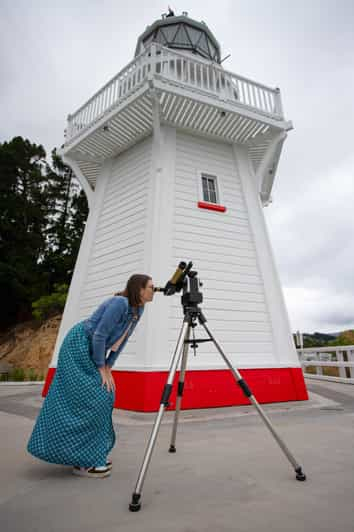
[106, 325]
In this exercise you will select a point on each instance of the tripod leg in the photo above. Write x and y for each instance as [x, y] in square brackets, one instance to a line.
[172, 448]
[135, 505]
[247, 392]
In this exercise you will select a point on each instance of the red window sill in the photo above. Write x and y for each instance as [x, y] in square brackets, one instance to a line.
[211, 206]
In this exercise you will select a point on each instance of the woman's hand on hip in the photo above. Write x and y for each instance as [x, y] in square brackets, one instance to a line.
[110, 376]
[107, 378]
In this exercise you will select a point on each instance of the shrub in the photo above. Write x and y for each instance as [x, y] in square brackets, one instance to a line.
[345, 338]
[31, 375]
[17, 374]
[47, 306]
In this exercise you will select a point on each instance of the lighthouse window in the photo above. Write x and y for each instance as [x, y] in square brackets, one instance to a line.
[210, 193]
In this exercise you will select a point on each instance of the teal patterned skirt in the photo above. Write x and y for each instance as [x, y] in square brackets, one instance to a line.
[74, 426]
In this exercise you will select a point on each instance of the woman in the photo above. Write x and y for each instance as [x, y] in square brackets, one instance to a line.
[74, 426]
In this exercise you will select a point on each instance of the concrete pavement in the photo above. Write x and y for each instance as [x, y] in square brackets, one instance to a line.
[228, 473]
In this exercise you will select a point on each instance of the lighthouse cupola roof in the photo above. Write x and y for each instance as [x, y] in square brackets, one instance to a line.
[181, 33]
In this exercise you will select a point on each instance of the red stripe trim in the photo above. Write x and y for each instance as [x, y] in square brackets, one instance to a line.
[141, 391]
[211, 206]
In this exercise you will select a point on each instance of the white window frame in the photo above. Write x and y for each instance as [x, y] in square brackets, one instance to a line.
[200, 175]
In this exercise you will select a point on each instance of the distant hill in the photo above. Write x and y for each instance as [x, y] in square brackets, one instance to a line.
[318, 339]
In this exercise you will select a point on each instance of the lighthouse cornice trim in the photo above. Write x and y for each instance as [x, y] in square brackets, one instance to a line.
[268, 166]
[89, 192]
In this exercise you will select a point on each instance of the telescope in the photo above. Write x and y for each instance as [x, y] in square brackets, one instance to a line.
[175, 284]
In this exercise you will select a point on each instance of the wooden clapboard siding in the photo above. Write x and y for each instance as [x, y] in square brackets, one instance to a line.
[118, 248]
[223, 251]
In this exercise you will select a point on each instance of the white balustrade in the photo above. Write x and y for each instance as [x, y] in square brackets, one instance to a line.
[176, 67]
[210, 77]
[123, 84]
[340, 357]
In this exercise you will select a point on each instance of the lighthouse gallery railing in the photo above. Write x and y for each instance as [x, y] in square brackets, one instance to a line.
[188, 71]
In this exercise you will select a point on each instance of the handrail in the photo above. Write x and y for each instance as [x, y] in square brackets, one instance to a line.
[340, 357]
[206, 62]
[118, 87]
[126, 68]
[188, 71]
[210, 77]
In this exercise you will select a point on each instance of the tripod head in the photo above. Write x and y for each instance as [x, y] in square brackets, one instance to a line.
[192, 296]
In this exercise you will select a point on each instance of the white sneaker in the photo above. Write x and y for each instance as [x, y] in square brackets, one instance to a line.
[93, 472]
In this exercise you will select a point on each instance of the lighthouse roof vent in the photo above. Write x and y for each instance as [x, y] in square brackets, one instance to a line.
[182, 33]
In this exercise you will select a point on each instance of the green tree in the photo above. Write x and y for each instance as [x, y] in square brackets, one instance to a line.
[23, 219]
[66, 222]
[344, 338]
[50, 305]
[42, 217]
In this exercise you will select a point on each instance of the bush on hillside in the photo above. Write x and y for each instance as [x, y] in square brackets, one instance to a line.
[48, 306]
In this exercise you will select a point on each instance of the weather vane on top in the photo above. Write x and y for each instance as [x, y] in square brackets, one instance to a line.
[170, 13]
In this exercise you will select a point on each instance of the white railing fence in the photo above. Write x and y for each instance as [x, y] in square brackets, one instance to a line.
[321, 358]
[210, 77]
[170, 65]
[109, 96]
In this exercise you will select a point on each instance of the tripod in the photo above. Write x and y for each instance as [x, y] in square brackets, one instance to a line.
[190, 299]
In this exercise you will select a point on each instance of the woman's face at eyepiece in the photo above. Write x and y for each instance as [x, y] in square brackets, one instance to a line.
[147, 293]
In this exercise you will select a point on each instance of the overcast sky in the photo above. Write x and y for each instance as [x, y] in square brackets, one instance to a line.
[55, 55]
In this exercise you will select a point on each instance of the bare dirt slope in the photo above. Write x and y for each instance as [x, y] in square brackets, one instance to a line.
[29, 345]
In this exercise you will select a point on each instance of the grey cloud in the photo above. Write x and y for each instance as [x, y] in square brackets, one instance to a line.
[54, 56]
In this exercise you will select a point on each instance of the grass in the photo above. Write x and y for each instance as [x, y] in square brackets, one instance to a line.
[21, 375]
[327, 370]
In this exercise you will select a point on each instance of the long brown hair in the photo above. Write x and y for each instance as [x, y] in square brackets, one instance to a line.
[132, 289]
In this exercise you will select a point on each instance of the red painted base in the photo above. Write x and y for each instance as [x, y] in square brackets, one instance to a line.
[141, 391]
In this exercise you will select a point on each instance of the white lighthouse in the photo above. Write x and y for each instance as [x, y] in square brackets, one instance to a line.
[177, 157]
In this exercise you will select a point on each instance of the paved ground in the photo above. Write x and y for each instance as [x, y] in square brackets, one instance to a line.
[228, 473]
